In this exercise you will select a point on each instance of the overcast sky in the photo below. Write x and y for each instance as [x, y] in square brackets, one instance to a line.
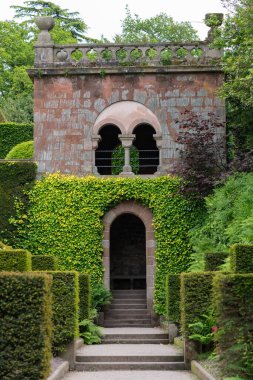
[104, 16]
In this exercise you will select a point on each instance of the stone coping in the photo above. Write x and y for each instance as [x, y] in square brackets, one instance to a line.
[200, 371]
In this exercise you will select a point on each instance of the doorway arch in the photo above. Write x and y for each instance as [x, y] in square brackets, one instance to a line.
[145, 215]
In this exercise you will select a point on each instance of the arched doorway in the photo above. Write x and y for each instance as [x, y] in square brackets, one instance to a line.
[109, 141]
[145, 215]
[127, 253]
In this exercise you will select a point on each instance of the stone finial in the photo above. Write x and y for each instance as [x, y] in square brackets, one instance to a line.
[45, 23]
[213, 20]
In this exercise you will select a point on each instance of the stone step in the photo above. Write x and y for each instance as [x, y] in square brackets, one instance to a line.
[129, 296]
[138, 301]
[129, 316]
[112, 366]
[130, 313]
[127, 324]
[128, 306]
[129, 320]
[154, 335]
[129, 358]
[136, 341]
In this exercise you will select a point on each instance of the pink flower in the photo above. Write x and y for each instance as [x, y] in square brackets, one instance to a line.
[214, 328]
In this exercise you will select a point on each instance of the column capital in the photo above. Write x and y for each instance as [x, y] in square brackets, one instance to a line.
[127, 140]
[95, 140]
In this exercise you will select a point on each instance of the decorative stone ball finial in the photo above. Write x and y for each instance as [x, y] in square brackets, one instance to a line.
[45, 23]
[213, 20]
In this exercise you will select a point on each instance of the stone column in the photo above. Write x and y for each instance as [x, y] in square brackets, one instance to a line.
[160, 169]
[95, 140]
[44, 46]
[127, 141]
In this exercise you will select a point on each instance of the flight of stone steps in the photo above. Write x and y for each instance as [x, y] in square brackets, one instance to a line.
[128, 309]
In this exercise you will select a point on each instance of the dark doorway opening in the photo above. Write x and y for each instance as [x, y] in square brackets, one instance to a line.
[127, 253]
[109, 141]
[148, 151]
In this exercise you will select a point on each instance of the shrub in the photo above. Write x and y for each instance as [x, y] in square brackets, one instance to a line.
[173, 297]
[65, 299]
[84, 296]
[15, 178]
[196, 290]
[15, 260]
[26, 327]
[44, 262]
[22, 150]
[242, 258]
[233, 304]
[12, 134]
[4, 246]
[65, 219]
[213, 260]
[100, 296]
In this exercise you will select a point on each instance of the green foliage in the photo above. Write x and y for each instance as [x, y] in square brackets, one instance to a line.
[213, 260]
[26, 327]
[90, 332]
[44, 262]
[65, 220]
[15, 177]
[65, 298]
[4, 246]
[118, 159]
[229, 217]
[201, 330]
[160, 28]
[22, 150]
[12, 134]
[196, 289]
[15, 260]
[84, 296]
[233, 303]
[18, 108]
[100, 296]
[242, 258]
[173, 297]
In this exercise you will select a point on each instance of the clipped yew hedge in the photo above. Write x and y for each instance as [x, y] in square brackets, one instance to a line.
[12, 134]
[44, 262]
[173, 297]
[213, 260]
[84, 296]
[242, 258]
[65, 219]
[65, 299]
[15, 260]
[26, 328]
[196, 297]
[233, 304]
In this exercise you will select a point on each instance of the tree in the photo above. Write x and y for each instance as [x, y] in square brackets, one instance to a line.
[65, 20]
[160, 28]
[236, 38]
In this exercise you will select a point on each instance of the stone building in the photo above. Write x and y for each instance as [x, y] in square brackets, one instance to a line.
[90, 99]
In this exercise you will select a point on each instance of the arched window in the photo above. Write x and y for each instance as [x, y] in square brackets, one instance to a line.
[109, 141]
[148, 151]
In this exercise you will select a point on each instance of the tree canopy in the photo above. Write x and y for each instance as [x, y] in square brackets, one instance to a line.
[160, 28]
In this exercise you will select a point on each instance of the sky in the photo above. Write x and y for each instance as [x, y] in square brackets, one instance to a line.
[105, 16]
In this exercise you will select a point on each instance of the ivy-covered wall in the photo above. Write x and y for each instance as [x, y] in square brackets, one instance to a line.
[65, 214]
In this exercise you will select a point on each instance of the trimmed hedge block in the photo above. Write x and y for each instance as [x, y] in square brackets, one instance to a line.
[233, 304]
[242, 258]
[213, 260]
[65, 294]
[15, 260]
[4, 246]
[44, 262]
[26, 326]
[196, 291]
[12, 134]
[173, 297]
[84, 296]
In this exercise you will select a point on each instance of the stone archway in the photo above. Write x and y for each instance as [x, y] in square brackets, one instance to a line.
[145, 215]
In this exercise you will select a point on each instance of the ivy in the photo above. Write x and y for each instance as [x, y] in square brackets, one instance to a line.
[64, 219]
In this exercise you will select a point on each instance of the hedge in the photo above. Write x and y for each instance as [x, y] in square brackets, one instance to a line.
[23, 150]
[12, 134]
[44, 262]
[242, 258]
[173, 297]
[15, 260]
[26, 327]
[195, 297]
[84, 296]
[65, 219]
[65, 297]
[15, 177]
[233, 304]
[213, 260]
[4, 246]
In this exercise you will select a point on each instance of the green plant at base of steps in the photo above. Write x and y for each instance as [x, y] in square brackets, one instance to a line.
[90, 332]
